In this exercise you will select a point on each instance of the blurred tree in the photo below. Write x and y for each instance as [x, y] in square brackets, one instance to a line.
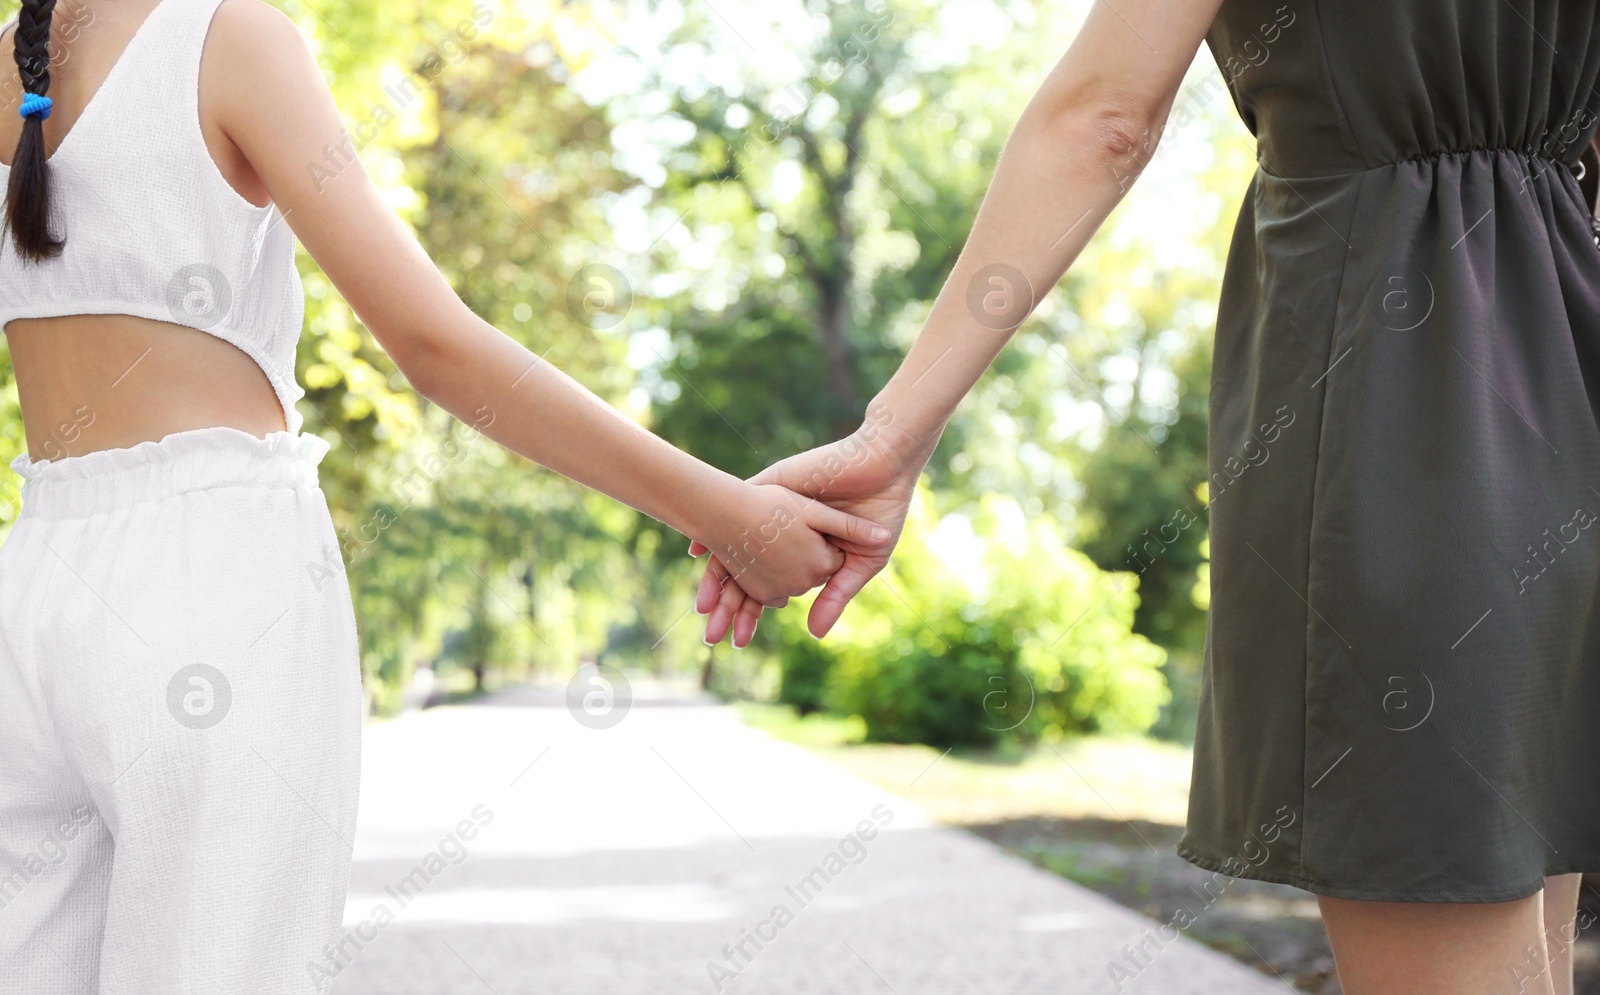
[790, 335]
[463, 113]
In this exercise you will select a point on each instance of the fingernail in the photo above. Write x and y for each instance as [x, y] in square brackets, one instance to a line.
[880, 533]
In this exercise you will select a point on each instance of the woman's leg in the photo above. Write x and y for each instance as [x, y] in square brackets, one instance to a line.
[1560, 918]
[1414, 948]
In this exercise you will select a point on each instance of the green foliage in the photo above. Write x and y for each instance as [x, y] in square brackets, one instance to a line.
[804, 211]
[824, 184]
[1008, 634]
[804, 665]
[815, 729]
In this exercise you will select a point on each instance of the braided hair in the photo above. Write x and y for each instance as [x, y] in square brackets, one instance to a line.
[28, 195]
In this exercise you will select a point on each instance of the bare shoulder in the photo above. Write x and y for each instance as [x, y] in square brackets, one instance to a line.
[253, 15]
[255, 55]
[251, 32]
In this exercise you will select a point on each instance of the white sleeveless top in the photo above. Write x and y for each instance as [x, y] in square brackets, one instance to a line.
[152, 228]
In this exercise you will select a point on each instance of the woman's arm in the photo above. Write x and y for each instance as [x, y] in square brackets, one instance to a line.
[1083, 138]
[265, 90]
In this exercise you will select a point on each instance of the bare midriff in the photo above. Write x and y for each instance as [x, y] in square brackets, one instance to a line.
[93, 382]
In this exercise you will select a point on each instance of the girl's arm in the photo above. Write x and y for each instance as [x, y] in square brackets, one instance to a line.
[263, 88]
[1085, 136]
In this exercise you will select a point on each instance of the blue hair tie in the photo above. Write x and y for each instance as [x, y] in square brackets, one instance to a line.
[34, 105]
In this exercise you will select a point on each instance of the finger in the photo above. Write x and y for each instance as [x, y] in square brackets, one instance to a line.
[711, 585]
[721, 618]
[698, 549]
[836, 558]
[715, 630]
[840, 590]
[856, 532]
[704, 596]
[771, 475]
[778, 603]
[791, 473]
[744, 622]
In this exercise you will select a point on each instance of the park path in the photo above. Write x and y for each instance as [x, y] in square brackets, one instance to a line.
[624, 860]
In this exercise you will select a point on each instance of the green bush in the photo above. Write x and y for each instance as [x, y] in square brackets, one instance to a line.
[1004, 633]
[803, 667]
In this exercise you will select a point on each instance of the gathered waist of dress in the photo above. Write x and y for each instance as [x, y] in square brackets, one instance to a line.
[1533, 153]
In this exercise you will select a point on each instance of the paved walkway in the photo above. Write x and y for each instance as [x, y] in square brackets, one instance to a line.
[505, 849]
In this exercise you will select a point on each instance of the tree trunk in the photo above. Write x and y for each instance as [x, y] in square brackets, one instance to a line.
[839, 357]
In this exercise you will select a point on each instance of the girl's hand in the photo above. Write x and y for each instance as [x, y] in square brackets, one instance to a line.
[772, 543]
[872, 473]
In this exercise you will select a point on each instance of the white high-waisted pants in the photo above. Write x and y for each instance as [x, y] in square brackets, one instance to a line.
[180, 721]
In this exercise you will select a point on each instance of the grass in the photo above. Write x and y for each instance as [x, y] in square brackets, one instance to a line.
[1120, 778]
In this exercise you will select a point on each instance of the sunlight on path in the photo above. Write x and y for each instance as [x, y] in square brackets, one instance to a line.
[504, 848]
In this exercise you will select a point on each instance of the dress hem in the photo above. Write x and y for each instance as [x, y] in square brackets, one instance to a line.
[1591, 866]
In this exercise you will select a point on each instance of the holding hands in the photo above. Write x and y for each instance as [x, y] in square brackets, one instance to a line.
[754, 534]
[872, 473]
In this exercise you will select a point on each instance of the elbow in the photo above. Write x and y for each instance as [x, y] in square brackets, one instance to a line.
[1118, 135]
[423, 359]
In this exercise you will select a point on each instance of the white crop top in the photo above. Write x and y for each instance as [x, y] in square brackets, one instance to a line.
[152, 227]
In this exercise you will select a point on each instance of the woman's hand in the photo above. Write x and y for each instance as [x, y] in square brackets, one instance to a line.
[873, 474]
[773, 543]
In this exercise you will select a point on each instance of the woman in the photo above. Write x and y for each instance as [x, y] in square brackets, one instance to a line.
[179, 676]
[1402, 677]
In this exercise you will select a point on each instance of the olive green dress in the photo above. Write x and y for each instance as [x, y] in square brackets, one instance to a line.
[1401, 696]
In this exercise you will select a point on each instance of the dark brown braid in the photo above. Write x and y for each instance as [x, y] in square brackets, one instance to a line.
[28, 196]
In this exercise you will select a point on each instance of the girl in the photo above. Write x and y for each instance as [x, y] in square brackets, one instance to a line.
[179, 679]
